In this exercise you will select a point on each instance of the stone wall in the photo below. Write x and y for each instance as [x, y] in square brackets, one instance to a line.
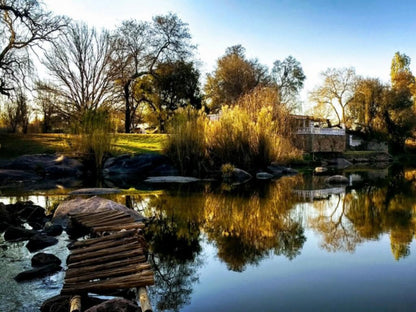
[320, 143]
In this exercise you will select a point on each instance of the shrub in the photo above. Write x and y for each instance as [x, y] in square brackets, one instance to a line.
[93, 136]
[186, 144]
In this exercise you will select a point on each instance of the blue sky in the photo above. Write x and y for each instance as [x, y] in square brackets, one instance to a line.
[320, 34]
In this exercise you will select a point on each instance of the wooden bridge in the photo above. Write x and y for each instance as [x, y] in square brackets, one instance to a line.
[114, 259]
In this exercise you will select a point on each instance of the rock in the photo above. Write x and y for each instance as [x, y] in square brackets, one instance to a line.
[10, 176]
[141, 165]
[237, 177]
[16, 233]
[277, 170]
[120, 305]
[53, 229]
[92, 204]
[40, 241]
[27, 211]
[42, 259]
[171, 179]
[61, 303]
[340, 163]
[38, 272]
[95, 191]
[5, 218]
[47, 164]
[337, 179]
[264, 176]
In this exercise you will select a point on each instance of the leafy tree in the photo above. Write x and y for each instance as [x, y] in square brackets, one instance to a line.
[24, 25]
[399, 64]
[365, 108]
[289, 77]
[235, 76]
[80, 65]
[336, 91]
[176, 84]
[140, 47]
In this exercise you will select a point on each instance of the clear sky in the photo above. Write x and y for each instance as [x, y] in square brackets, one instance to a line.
[320, 34]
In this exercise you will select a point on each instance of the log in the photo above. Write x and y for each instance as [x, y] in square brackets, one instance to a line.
[144, 300]
[75, 304]
[110, 228]
[144, 278]
[109, 265]
[111, 257]
[104, 245]
[91, 241]
[110, 273]
[99, 253]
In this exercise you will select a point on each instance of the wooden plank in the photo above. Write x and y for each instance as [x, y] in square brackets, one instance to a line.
[90, 241]
[144, 278]
[99, 253]
[135, 225]
[104, 245]
[103, 217]
[113, 272]
[72, 272]
[111, 257]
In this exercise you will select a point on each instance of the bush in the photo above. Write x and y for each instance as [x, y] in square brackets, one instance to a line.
[186, 144]
[93, 136]
[250, 135]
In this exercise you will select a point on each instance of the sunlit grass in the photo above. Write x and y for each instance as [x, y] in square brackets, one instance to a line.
[14, 145]
[139, 143]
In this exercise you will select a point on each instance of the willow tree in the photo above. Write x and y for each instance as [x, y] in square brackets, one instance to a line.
[140, 46]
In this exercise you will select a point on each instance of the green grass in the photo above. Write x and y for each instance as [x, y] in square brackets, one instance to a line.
[139, 143]
[14, 145]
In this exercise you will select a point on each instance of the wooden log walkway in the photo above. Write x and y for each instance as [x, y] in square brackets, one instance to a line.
[114, 259]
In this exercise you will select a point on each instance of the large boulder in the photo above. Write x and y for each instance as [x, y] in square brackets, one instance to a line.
[91, 205]
[47, 165]
[142, 165]
[11, 177]
[264, 176]
[118, 304]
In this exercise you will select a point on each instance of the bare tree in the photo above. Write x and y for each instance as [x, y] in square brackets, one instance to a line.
[140, 46]
[80, 65]
[23, 25]
[336, 91]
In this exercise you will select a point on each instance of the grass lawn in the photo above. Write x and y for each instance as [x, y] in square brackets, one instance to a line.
[13, 145]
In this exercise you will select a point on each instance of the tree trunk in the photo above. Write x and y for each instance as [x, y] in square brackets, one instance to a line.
[127, 119]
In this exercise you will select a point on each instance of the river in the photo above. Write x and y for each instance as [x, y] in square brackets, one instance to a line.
[292, 244]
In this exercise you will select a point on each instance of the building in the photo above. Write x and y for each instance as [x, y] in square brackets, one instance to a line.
[316, 135]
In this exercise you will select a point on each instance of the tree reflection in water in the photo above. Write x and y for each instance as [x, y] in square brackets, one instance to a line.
[369, 212]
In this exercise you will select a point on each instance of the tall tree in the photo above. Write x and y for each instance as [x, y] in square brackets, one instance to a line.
[336, 91]
[234, 76]
[289, 77]
[23, 25]
[365, 108]
[140, 46]
[80, 65]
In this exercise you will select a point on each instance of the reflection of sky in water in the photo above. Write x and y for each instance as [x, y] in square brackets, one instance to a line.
[355, 273]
